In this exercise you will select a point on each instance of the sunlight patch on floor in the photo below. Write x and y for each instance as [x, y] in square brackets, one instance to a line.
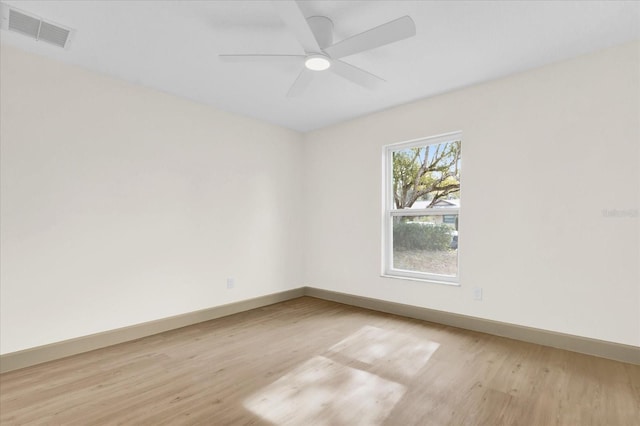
[324, 392]
[401, 353]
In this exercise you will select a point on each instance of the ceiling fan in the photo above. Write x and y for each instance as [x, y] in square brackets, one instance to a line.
[315, 34]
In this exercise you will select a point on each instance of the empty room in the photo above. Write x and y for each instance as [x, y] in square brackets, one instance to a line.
[319, 213]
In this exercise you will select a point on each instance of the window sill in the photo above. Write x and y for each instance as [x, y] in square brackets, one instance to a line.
[424, 280]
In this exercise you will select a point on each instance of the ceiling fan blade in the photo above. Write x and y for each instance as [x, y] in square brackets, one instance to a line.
[301, 83]
[355, 74]
[293, 18]
[260, 58]
[390, 32]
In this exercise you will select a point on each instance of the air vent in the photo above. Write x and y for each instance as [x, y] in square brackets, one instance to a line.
[34, 27]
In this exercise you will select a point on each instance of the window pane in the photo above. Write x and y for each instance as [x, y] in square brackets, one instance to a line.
[426, 176]
[427, 244]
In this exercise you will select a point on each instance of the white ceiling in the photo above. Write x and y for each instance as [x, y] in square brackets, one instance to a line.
[173, 46]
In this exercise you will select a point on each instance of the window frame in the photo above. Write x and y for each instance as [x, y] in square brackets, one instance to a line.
[389, 212]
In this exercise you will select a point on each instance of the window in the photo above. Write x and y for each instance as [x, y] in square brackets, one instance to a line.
[422, 203]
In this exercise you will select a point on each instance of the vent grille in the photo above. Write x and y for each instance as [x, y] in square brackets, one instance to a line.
[23, 24]
[53, 34]
[34, 27]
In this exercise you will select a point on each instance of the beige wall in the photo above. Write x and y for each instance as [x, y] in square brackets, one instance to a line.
[544, 152]
[121, 204]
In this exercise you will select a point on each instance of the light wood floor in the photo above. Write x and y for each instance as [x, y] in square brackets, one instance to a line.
[313, 362]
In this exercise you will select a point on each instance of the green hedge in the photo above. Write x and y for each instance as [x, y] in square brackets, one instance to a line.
[421, 236]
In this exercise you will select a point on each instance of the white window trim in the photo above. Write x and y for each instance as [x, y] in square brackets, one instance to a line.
[388, 212]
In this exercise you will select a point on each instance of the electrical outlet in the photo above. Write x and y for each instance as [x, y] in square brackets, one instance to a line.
[477, 293]
[231, 283]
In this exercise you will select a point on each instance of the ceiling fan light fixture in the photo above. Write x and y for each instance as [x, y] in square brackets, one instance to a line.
[317, 62]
